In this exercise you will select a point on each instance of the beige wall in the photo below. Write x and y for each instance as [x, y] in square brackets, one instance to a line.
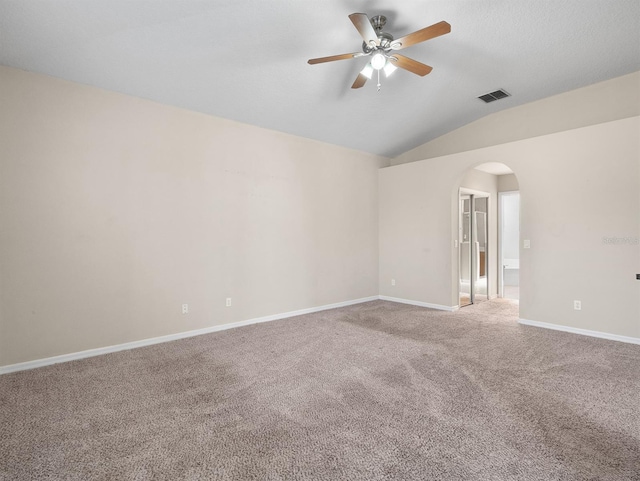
[614, 99]
[508, 183]
[116, 210]
[577, 187]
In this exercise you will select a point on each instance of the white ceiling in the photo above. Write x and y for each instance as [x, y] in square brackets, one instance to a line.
[246, 60]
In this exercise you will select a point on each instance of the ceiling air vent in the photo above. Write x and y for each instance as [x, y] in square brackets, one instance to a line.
[497, 95]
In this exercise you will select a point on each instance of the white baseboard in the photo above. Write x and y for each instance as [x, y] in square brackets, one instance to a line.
[419, 303]
[182, 335]
[23, 366]
[583, 332]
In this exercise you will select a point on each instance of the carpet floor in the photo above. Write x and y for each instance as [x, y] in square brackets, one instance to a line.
[375, 391]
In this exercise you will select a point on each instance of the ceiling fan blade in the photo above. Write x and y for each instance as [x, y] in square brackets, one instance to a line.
[359, 82]
[411, 65]
[363, 25]
[332, 58]
[426, 33]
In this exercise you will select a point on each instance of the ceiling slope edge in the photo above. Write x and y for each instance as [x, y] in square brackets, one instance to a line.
[601, 102]
[11, 76]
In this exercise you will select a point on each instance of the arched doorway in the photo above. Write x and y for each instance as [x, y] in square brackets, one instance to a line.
[488, 226]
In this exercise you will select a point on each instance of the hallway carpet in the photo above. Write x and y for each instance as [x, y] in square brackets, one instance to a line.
[375, 391]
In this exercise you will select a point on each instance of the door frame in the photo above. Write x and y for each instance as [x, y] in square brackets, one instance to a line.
[464, 191]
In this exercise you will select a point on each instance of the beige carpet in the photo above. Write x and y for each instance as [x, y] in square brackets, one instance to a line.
[377, 391]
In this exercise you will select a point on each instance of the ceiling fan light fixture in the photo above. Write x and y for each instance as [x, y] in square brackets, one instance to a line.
[367, 71]
[389, 68]
[378, 61]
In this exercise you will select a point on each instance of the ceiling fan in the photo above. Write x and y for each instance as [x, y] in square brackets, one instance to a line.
[381, 46]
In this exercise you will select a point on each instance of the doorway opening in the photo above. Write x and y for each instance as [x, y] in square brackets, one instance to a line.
[509, 245]
[488, 235]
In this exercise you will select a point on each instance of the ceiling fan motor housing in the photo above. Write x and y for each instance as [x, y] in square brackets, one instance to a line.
[384, 38]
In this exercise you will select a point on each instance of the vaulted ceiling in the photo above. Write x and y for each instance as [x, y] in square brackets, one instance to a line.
[247, 60]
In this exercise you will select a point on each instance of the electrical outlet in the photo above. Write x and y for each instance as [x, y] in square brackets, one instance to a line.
[393, 282]
[185, 308]
[228, 303]
[526, 244]
[577, 305]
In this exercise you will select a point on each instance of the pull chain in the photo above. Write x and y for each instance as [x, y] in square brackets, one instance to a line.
[378, 80]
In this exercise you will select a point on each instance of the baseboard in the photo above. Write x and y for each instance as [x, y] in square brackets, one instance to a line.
[23, 366]
[182, 335]
[419, 303]
[583, 332]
